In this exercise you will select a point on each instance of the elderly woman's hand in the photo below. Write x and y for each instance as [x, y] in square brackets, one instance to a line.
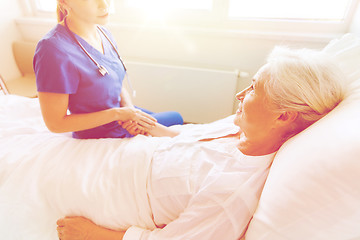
[75, 228]
[134, 128]
[80, 228]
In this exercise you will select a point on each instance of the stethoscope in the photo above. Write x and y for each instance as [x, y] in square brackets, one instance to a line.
[103, 71]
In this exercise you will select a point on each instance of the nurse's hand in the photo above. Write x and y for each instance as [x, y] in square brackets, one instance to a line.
[144, 120]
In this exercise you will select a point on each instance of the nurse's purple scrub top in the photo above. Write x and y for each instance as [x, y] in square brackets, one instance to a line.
[61, 66]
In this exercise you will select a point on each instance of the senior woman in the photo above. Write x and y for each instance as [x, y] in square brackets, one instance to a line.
[208, 187]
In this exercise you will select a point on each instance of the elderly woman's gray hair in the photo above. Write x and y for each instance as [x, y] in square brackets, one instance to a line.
[305, 81]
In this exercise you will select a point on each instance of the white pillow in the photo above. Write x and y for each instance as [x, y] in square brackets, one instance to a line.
[313, 187]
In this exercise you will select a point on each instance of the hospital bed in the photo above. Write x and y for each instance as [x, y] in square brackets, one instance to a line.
[312, 191]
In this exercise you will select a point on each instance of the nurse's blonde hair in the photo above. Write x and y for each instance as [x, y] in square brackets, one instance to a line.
[304, 81]
[60, 12]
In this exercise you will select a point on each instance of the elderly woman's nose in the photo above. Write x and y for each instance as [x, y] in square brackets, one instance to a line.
[103, 4]
[241, 95]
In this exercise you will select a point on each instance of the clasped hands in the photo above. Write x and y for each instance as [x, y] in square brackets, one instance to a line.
[138, 122]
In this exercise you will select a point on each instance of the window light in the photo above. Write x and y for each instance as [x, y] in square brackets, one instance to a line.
[328, 10]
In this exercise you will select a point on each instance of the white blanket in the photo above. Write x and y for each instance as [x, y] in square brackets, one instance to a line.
[45, 176]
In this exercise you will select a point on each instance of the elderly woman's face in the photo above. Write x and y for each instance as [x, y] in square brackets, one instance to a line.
[255, 115]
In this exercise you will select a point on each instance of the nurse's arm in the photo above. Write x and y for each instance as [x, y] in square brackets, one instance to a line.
[54, 111]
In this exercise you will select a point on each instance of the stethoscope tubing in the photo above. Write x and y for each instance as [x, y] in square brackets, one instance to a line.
[80, 45]
[101, 68]
[112, 44]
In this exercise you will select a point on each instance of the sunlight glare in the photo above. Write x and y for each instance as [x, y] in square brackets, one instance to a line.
[160, 9]
[289, 9]
[154, 10]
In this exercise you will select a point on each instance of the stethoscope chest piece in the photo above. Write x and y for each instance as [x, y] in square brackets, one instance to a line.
[103, 71]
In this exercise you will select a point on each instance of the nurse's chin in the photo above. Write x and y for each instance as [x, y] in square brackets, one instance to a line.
[103, 20]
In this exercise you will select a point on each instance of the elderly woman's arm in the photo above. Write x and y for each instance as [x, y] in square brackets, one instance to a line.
[208, 217]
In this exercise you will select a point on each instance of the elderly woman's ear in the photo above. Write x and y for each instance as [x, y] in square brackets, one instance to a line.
[286, 118]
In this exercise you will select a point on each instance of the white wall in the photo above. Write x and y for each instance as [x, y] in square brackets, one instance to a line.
[214, 49]
[219, 50]
[226, 50]
[355, 26]
[223, 50]
[10, 10]
[209, 49]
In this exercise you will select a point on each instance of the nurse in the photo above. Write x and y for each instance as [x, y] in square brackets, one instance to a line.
[79, 77]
